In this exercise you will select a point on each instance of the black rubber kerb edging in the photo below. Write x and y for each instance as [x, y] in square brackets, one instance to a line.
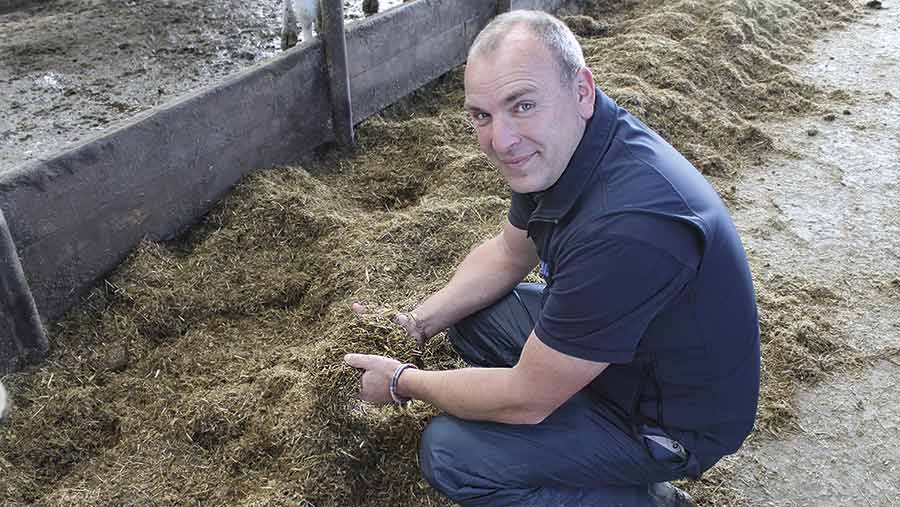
[7, 6]
[22, 337]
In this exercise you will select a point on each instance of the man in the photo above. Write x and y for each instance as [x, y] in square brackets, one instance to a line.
[638, 362]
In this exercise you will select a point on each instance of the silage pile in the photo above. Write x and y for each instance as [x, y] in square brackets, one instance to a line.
[207, 371]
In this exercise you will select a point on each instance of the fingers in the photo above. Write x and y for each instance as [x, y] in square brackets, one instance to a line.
[360, 309]
[408, 322]
[402, 319]
[361, 361]
[405, 320]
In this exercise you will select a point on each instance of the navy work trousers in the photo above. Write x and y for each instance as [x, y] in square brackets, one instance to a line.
[581, 455]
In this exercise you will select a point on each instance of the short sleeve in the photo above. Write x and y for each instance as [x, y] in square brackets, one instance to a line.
[608, 288]
[520, 209]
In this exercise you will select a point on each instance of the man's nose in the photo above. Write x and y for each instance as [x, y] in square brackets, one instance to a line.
[504, 135]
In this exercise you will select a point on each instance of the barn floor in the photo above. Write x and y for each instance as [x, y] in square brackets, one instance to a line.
[70, 69]
[207, 371]
[830, 212]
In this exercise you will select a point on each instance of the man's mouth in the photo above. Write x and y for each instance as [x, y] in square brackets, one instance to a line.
[516, 163]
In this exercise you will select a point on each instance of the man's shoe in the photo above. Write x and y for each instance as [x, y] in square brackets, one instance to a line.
[664, 494]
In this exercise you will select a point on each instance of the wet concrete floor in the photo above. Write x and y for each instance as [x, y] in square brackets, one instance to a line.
[832, 215]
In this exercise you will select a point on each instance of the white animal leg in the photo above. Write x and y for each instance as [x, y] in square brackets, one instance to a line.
[289, 30]
[307, 11]
[2, 403]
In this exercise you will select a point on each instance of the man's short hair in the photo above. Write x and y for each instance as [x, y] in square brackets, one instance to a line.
[552, 32]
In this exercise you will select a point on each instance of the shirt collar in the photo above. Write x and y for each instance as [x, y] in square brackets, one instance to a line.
[556, 201]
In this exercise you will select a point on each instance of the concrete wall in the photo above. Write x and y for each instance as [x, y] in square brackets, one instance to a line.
[390, 56]
[75, 216]
[546, 5]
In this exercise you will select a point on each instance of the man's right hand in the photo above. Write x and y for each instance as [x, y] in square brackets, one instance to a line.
[408, 321]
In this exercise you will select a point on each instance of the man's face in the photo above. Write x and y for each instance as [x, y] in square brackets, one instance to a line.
[528, 122]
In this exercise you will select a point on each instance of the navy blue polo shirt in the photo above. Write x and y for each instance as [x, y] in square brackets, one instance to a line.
[645, 270]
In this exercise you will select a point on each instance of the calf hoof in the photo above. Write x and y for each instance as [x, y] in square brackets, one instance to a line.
[288, 40]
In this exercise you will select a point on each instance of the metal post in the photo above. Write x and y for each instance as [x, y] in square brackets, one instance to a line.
[22, 337]
[504, 6]
[338, 72]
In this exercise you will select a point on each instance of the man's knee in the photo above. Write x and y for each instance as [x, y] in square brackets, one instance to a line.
[436, 454]
[494, 336]
[445, 459]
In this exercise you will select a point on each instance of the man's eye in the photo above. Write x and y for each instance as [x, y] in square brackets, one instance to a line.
[524, 106]
[480, 117]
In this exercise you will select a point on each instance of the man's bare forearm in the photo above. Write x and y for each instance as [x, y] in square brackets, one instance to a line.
[489, 272]
[480, 394]
[541, 381]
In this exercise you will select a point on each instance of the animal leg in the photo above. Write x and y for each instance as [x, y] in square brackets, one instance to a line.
[289, 30]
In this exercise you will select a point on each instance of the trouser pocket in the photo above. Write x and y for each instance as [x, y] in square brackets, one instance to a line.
[661, 446]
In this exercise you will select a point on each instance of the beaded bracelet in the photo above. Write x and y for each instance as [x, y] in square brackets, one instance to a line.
[395, 380]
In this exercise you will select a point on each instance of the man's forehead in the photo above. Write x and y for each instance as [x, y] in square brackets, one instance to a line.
[516, 39]
[518, 33]
[508, 94]
[515, 67]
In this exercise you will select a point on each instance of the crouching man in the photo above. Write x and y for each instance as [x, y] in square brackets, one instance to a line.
[638, 362]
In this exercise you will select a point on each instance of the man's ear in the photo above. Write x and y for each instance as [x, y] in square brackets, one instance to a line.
[585, 92]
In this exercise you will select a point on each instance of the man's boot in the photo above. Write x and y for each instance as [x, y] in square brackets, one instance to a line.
[664, 494]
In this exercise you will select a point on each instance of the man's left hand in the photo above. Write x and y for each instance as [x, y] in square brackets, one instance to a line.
[376, 379]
